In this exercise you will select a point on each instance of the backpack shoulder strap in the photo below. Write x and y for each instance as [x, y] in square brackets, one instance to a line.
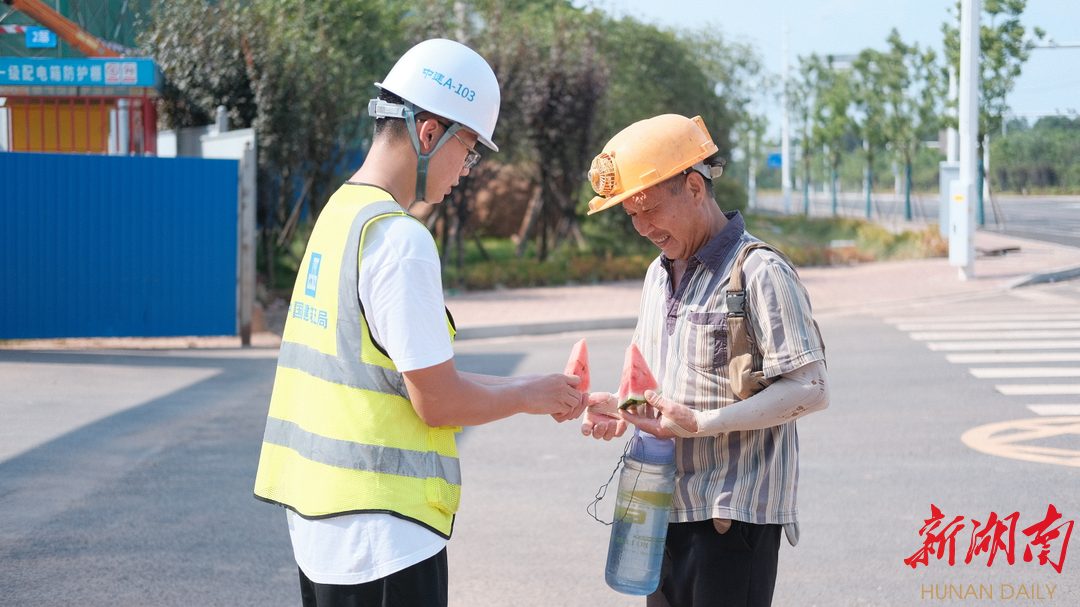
[746, 380]
[736, 293]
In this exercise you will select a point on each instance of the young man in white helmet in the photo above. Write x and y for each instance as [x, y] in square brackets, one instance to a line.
[736, 443]
[359, 443]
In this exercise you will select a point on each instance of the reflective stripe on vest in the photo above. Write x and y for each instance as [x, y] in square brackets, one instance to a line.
[342, 436]
[336, 370]
[356, 456]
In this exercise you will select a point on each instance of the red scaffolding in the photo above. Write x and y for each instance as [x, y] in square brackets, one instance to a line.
[96, 125]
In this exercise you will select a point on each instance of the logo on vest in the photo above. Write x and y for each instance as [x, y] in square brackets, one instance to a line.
[313, 275]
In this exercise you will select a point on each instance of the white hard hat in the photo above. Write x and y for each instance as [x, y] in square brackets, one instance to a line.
[451, 80]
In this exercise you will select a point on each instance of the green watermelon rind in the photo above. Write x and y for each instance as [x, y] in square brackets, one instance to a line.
[635, 400]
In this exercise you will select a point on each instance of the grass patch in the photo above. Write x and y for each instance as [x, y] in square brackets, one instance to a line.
[616, 255]
[809, 242]
[566, 266]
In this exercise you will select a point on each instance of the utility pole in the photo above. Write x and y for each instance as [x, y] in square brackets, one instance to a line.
[962, 191]
[751, 185]
[949, 169]
[952, 151]
[785, 135]
[868, 179]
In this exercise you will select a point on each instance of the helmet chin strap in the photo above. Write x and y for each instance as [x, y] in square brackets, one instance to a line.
[422, 159]
[382, 109]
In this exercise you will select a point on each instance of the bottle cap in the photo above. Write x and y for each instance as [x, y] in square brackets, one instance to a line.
[648, 449]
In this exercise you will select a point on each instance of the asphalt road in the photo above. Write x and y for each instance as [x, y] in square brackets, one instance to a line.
[1050, 219]
[1047, 219]
[150, 503]
[887, 448]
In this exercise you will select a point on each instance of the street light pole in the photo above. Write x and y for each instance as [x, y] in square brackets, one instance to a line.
[785, 135]
[951, 134]
[962, 191]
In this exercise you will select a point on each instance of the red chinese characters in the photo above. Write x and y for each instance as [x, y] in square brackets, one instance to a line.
[1049, 537]
[1045, 535]
[934, 543]
[989, 539]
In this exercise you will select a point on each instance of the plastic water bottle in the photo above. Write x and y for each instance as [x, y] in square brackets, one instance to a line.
[636, 550]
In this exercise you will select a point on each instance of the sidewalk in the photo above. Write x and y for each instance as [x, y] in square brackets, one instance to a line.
[834, 291]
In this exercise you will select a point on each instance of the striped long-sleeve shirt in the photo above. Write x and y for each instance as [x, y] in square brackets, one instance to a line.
[749, 476]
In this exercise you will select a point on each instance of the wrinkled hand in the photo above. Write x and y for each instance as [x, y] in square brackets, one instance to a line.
[602, 420]
[650, 417]
[555, 395]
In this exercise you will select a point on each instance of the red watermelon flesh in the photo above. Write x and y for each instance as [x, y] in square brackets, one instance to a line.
[579, 365]
[636, 379]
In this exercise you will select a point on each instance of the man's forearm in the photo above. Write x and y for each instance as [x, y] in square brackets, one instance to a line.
[794, 395]
[442, 396]
[487, 380]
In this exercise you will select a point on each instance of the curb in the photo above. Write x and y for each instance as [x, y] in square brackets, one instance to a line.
[1056, 276]
[546, 328]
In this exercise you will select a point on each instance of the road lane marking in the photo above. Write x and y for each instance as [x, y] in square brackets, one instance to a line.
[1052, 410]
[1037, 389]
[1001, 372]
[965, 335]
[1042, 344]
[184, 353]
[1007, 439]
[989, 326]
[1014, 357]
[969, 318]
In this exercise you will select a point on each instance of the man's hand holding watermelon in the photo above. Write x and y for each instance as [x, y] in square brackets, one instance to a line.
[794, 395]
[602, 419]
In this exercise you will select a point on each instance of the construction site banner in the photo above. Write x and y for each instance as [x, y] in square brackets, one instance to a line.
[134, 72]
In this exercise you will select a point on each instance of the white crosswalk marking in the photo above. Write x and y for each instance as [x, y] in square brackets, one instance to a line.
[1029, 344]
[989, 326]
[1003, 372]
[1055, 410]
[990, 318]
[1018, 335]
[1033, 389]
[1044, 344]
[1014, 357]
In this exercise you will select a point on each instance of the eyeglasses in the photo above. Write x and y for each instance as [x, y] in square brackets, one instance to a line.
[472, 157]
[708, 171]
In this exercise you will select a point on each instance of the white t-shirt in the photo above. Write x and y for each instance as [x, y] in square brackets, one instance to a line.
[401, 289]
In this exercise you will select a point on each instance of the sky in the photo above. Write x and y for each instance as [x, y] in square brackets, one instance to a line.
[1050, 81]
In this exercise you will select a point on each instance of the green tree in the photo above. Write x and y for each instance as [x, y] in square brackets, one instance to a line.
[1004, 47]
[1044, 158]
[910, 88]
[802, 99]
[870, 112]
[290, 70]
[552, 79]
[832, 124]
[660, 71]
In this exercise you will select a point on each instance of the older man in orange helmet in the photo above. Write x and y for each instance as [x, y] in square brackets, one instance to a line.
[731, 413]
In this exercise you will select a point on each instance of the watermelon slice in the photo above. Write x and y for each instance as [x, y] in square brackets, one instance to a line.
[579, 365]
[636, 379]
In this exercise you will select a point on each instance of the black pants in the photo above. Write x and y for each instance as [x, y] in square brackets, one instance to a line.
[705, 568]
[421, 585]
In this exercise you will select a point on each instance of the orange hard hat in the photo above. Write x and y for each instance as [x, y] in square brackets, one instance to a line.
[646, 153]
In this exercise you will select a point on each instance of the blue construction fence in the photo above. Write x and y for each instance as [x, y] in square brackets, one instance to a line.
[113, 246]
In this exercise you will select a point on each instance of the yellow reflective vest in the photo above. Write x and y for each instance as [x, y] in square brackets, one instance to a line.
[342, 436]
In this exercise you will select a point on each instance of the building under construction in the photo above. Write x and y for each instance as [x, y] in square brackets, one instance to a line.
[69, 81]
